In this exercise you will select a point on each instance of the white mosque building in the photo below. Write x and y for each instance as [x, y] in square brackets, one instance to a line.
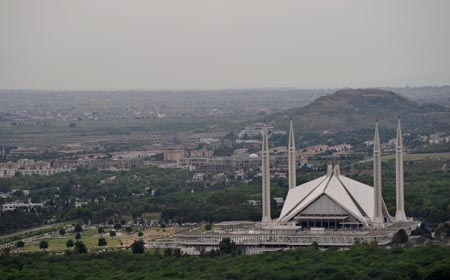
[332, 210]
[336, 201]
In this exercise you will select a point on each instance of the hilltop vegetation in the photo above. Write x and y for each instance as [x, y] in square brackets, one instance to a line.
[360, 262]
[357, 109]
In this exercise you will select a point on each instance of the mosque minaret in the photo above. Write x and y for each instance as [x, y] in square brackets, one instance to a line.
[400, 212]
[265, 172]
[378, 200]
[292, 158]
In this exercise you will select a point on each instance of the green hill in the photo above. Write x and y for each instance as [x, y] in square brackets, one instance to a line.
[355, 109]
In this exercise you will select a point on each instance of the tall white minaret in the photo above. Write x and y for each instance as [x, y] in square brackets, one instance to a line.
[378, 212]
[400, 212]
[292, 162]
[265, 171]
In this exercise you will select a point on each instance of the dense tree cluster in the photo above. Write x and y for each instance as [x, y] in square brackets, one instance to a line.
[360, 262]
[178, 199]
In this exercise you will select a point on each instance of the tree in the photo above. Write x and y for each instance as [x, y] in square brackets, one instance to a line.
[137, 247]
[213, 253]
[78, 236]
[78, 228]
[62, 231]
[157, 253]
[230, 136]
[112, 233]
[43, 245]
[129, 229]
[208, 226]
[440, 270]
[140, 233]
[177, 253]
[400, 237]
[80, 247]
[5, 251]
[228, 247]
[315, 245]
[168, 252]
[117, 226]
[101, 230]
[69, 243]
[102, 242]
[20, 244]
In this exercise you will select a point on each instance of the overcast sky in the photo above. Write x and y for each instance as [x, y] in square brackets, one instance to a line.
[209, 44]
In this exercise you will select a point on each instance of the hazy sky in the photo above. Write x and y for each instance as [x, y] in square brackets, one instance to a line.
[209, 44]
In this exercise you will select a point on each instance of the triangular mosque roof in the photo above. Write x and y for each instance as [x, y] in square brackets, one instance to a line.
[355, 197]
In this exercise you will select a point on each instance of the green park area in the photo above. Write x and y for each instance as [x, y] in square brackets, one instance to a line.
[115, 240]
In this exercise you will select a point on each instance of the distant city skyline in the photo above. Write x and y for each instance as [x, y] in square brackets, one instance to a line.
[206, 44]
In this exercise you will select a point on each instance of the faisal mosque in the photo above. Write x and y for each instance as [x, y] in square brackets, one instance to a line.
[332, 210]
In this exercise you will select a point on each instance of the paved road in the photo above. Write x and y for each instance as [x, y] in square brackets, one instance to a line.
[34, 229]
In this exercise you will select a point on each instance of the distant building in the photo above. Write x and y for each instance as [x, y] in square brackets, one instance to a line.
[174, 155]
[200, 153]
[28, 167]
[7, 172]
[209, 140]
[254, 202]
[278, 150]
[198, 177]
[15, 205]
[26, 151]
[239, 152]
[249, 143]
[254, 130]
[279, 200]
[239, 174]
[134, 154]
[438, 138]
[117, 164]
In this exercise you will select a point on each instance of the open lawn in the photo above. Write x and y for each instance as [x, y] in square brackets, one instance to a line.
[90, 239]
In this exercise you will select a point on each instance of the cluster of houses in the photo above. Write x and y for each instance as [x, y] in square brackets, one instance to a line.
[27, 167]
[199, 157]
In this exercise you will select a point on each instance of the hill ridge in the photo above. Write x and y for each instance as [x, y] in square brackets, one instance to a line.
[353, 109]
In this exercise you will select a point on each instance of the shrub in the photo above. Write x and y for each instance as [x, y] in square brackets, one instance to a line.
[69, 243]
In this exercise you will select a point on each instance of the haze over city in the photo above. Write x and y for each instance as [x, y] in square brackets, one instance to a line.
[225, 139]
[203, 44]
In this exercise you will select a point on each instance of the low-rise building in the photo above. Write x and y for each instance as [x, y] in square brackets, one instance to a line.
[209, 140]
[254, 130]
[174, 155]
[198, 177]
[15, 205]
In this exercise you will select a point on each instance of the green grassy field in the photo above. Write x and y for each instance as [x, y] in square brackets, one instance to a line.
[90, 239]
[117, 130]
